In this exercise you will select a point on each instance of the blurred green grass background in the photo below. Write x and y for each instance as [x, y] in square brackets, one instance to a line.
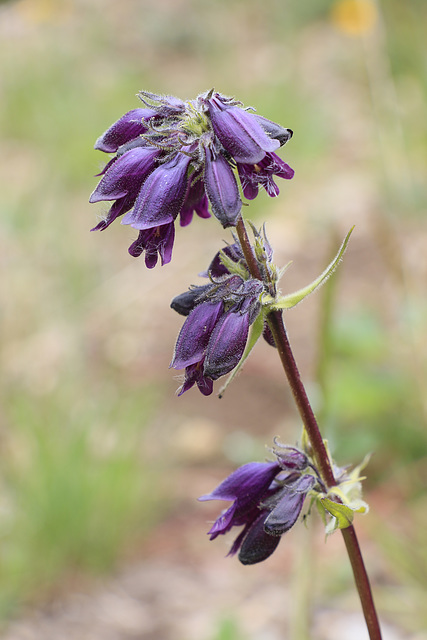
[86, 335]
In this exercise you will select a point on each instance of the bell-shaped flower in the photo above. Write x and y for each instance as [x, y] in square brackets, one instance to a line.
[228, 340]
[227, 344]
[267, 499]
[195, 201]
[221, 188]
[195, 334]
[247, 486]
[274, 130]
[240, 133]
[261, 174]
[122, 181]
[176, 158]
[157, 241]
[185, 302]
[129, 126]
[194, 375]
[162, 195]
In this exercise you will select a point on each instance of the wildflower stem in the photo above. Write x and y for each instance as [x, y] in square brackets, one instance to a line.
[290, 367]
[362, 582]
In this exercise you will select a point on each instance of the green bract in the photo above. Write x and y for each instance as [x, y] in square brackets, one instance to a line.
[292, 299]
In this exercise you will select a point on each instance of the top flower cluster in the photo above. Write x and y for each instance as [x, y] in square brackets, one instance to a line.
[174, 158]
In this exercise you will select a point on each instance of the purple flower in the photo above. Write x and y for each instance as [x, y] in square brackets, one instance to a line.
[215, 332]
[194, 375]
[267, 499]
[239, 131]
[162, 195]
[246, 487]
[253, 175]
[128, 127]
[195, 333]
[157, 241]
[174, 158]
[222, 189]
[195, 201]
[122, 181]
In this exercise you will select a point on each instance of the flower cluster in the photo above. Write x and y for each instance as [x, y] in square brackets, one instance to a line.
[268, 497]
[173, 158]
[267, 500]
[213, 338]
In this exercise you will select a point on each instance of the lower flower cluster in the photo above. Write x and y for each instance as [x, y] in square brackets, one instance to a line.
[267, 500]
[268, 497]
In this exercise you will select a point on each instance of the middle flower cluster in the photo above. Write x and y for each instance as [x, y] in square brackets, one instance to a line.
[174, 158]
[219, 314]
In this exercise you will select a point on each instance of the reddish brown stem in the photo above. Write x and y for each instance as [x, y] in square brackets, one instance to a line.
[280, 336]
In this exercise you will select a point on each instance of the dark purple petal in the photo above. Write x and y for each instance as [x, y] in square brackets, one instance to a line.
[195, 200]
[156, 242]
[240, 133]
[222, 189]
[117, 209]
[285, 513]
[162, 195]
[129, 126]
[187, 301]
[247, 483]
[261, 174]
[126, 175]
[227, 344]
[274, 130]
[195, 333]
[194, 375]
[246, 486]
[257, 545]
[301, 484]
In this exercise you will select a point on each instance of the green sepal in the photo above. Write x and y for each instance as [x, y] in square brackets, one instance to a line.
[342, 515]
[232, 266]
[292, 299]
[256, 332]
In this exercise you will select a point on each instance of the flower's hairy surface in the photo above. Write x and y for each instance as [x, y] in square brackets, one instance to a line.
[219, 315]
[268, 497]
[174, 158]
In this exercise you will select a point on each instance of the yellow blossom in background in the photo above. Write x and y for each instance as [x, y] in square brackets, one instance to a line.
[354, 17]
[38, 11]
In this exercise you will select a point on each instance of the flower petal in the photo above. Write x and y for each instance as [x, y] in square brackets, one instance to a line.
[257, 545]
[126, 174]
[187, 301]
[157, 241]
[240, 133]
[285, 513]
[194, 375]
[162, 195]
[246, 484]
[274, 130]
[222, 189]
[127, 127]
[227, 344]
[195, 333]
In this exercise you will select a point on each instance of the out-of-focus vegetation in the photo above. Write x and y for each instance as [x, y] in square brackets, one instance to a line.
[86, 334]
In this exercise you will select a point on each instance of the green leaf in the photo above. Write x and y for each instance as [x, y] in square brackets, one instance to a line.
[289, 301]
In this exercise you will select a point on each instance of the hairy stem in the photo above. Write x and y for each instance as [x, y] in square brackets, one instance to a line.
[280, 336]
